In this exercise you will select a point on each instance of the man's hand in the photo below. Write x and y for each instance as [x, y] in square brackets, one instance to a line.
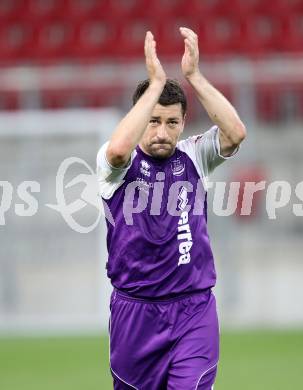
[220, 111]
[153, 65]
[129, 131]
[190, 59]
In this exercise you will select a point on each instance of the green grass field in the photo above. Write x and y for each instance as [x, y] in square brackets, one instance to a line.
[249, 361]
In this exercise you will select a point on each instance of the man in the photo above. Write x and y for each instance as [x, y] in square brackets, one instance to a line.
[163, 325]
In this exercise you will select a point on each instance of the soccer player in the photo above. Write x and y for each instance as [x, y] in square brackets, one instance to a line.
[163, 324]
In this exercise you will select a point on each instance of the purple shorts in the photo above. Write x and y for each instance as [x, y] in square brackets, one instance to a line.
[164, 344]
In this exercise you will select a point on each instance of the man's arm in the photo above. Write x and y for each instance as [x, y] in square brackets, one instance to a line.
[130, 130]
[220, 111]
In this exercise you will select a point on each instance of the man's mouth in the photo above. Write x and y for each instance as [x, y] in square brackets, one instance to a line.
[161, 144]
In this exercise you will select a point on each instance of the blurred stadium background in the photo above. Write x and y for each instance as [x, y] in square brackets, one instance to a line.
[68, 69]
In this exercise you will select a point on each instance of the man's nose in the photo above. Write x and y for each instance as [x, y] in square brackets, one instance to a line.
[161, 133]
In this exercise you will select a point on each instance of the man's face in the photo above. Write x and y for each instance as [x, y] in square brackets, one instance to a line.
[162, 133]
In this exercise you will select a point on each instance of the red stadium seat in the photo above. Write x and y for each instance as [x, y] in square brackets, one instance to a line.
[51, 41]
[295, 6]
[14, 41]
[157, 9]
[274, 8]
[12, 10]
[171, 42]
[38, 11]
[80, 97]
[130, 37]
[268, 102]
[118, 10]
[291, 39]
[252, 7]
[259, 35]
[54, 99]
[280, 102]
[83, 9]
[9, 101]
[93, 40]
[198, 9]
[218, 36]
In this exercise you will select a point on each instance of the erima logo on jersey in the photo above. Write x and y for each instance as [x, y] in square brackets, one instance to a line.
[182, 197]
[145, 168]
[184, 233]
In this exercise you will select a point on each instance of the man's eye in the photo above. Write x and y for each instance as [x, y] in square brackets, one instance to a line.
[153, 121]
[173, 123]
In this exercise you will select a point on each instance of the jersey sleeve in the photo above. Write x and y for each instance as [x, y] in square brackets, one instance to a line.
[110, 178]
[204, 150]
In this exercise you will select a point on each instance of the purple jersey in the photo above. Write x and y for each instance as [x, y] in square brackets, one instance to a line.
[158, 245]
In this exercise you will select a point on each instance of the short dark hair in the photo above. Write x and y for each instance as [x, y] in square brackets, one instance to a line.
[172, 93]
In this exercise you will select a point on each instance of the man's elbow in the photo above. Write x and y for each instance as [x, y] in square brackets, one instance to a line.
[117, 156]
[238, 134]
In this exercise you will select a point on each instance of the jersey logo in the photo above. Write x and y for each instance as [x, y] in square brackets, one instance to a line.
[184, 233]
[182, 197]
[144, 169]
[177, 167]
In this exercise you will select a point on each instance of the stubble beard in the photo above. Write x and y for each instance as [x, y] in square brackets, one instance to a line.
[161, 150]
